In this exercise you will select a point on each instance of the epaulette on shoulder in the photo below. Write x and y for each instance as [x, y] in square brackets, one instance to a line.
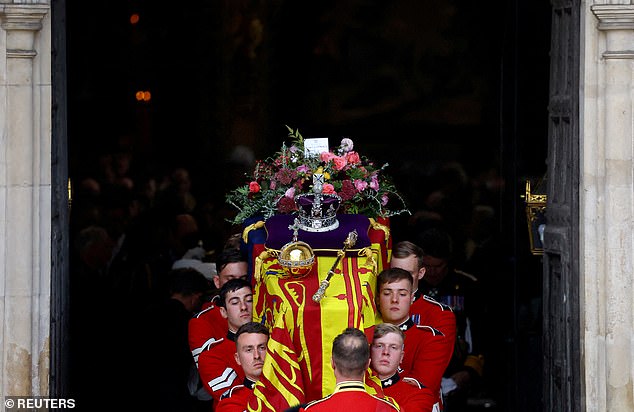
[467, 275]
[229, 392]
[202, 312]
[210, 343]
[427, 328]
[442, 306]
[413, 382]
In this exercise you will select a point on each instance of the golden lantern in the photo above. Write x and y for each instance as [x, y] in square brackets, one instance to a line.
[536, 218]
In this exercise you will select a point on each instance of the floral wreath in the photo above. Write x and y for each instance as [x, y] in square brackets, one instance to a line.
[364, 188]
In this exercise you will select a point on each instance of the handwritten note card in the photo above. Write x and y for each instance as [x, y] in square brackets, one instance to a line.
[314, 147]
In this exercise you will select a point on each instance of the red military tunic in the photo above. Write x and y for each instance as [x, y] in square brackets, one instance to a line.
[350, 396]
[410, 395]
[425, 357]
[236, 398]
[206, 328]
[431, 314]
[218, 368]
[427, 311]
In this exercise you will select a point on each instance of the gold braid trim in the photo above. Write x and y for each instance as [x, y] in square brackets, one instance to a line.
[369, 258]
[258, 263]
[378, 226]
[254, 226]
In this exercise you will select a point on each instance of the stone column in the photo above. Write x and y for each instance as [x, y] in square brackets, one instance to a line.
[607, 215]
[25, 197]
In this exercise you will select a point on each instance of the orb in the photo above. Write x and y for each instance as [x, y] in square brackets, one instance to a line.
[297, 259]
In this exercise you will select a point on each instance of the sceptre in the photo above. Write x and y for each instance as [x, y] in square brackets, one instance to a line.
[323, 285]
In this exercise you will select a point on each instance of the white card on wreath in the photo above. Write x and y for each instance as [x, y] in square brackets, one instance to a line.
[315, 147]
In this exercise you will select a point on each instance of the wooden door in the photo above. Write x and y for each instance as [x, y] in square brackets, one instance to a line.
[562, 378]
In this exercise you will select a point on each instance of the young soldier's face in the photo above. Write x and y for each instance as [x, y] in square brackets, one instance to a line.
[386, 353]
[250, 353]
[395, 300]
[238, 308]
[232, 270]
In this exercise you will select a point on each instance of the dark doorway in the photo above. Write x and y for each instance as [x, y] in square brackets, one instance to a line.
[440, 90]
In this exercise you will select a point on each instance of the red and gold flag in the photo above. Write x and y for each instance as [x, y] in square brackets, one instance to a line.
[297, 368]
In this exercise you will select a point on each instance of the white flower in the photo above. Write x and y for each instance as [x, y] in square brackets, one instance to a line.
[346, 145]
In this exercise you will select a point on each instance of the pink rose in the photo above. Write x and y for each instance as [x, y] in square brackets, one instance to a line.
[327, 156]
[339, 162]
[361, 185]
[384, 200]
[328, 188]
[254, 187]
[290, 193]
[353, 158]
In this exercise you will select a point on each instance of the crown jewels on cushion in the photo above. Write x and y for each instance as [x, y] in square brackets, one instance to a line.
[317, 212]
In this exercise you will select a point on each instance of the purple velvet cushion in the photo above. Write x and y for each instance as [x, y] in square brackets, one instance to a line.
[307, 201]
[278, 233]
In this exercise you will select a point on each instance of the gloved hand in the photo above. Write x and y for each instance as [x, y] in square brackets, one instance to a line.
[447, 385]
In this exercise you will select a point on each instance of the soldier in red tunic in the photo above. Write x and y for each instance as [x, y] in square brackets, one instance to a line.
[217, 366]
[427, 352]
[251, 339]
[425, 310]
[386, 353]
[208, 325]
[350, 360]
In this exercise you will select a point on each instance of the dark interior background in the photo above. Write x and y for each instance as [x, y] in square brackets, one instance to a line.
[447, 80]
[418, 84]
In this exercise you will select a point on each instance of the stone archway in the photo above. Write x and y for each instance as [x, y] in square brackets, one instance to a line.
[560, 116]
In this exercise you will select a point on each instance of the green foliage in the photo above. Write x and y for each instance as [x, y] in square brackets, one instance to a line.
[275, 181]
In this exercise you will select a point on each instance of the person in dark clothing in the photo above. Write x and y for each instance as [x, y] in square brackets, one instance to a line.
[461, 292]
[164, 346]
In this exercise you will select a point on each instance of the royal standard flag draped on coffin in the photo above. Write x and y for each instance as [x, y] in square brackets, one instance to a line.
[297, 367]
[317, 234]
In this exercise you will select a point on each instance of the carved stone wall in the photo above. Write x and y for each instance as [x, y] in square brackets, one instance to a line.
[607, 204]
[25, 197]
